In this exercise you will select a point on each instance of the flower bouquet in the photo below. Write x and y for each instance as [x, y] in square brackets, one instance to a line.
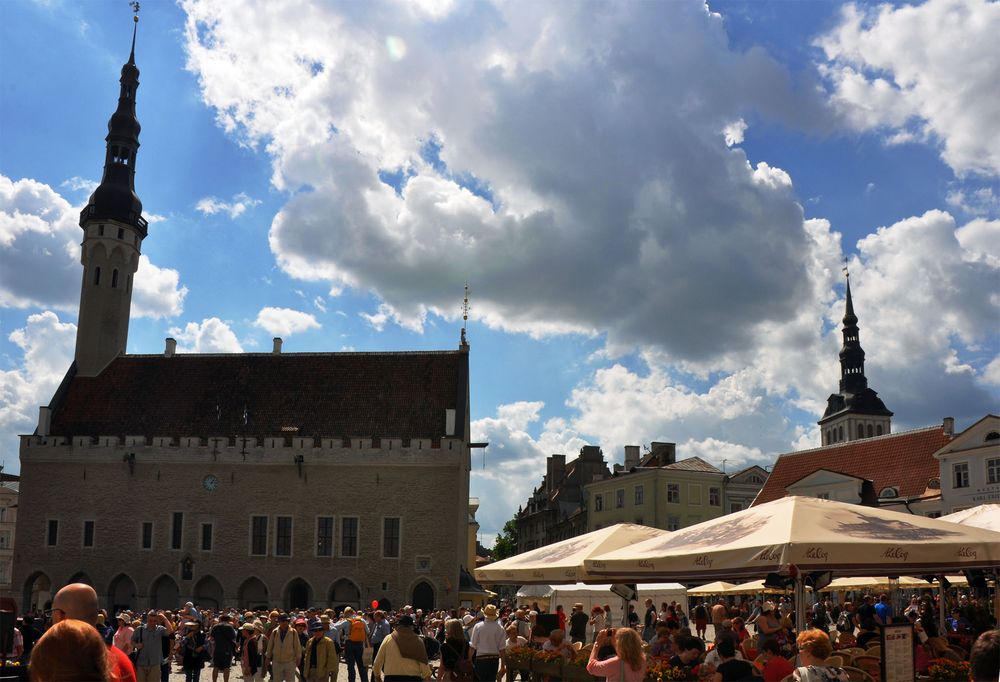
[519, 657]
[575, 669]
[948, 670]
[660, 670]
[547, 664]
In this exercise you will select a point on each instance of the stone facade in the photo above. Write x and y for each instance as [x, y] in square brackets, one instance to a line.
[970, 467]
[73, 483]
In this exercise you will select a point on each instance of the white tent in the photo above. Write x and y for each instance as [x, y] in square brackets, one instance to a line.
[984, 516]
[563, 560]
[551, 596]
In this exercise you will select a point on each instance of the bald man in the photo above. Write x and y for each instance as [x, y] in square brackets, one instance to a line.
[79, 602]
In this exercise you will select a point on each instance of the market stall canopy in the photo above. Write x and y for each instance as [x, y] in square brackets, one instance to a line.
[718, 587]
[808, 533]
[984, 516]
[562, 562]
[875, 583]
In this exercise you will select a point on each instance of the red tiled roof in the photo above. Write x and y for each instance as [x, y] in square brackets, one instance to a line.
[402, 395]
[904, 460]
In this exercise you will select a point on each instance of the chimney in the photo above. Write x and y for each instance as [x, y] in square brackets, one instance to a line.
[949, 426]
[170, 348]
[555, 469]
[44, 420]
[631, 456]
[666, 453]
[277, 345]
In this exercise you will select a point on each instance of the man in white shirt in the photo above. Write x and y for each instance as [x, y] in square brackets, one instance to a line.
[487, 641]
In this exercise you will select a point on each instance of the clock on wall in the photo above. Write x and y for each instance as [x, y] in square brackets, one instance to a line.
[210, 482]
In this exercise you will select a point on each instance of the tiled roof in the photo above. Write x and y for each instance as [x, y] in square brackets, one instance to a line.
[693, 464]
[334, 395]
[904, 460]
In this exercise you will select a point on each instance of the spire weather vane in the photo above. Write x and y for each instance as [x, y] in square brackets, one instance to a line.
[135, 10]
[465, 307]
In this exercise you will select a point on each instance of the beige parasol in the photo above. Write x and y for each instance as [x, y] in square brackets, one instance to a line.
[562, 562]
[810, 534]
[718, 587]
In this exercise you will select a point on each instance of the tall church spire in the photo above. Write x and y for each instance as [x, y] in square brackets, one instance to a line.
[115, 197]
[113, 230]
[856, 411]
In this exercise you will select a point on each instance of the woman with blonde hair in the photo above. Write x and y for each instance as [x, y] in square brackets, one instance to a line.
[629, 662]
[455, 663]
[814, 648]
[71, 651]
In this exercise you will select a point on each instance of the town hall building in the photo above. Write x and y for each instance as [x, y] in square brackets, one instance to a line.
[248, 479]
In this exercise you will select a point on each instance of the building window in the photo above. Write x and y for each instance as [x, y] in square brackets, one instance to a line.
[121, 231]
[673, 522]
[390, 538]
[176, 530]
[147, 535]
[714, 497]
[97, 276]
[52, 533]
[283, 536]
[878, 429]
[598, 503]
[619, 498]
[88, 533]
[100, 230]
[840, 433]
[206, 537]
[861, 430]
[349, 536]
[640, 494]
[258, 535]
[755, 480]
[960, 475]
[823, 496]
[114, 278]
[4, 539]
[993, 470]
[324, 536]
[871, 431]
[674, 493]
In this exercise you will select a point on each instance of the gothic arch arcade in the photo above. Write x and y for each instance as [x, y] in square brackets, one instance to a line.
[121, 594]
[37, 592]
[298, 594]
[253, 594]
[343, 593]
[423, 596]
[208, 593]
[164, 593]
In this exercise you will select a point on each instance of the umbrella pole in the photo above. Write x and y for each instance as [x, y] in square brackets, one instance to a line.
[800, 603]
[942, 608]
[996, 596]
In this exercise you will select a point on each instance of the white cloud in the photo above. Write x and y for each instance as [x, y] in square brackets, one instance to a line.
[77, 183]
[546, 155]
[922, 72]
[284, 322]
[733, 132]
[47, 347]
[211, 335]
[981, 201]
[234, 209]
[319, 304]
[39, 233]
[158, 292]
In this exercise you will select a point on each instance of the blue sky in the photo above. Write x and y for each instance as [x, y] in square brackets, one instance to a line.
[651, 203]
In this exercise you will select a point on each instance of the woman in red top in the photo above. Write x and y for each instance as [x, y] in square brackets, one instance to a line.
[772, 664]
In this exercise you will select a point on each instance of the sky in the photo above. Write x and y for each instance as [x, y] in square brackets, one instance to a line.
[652, 204]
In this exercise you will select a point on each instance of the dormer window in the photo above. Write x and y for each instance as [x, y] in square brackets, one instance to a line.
[888, 493]
[992, 435]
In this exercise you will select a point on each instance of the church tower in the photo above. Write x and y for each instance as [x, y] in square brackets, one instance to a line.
[113, 230]
[856, 411]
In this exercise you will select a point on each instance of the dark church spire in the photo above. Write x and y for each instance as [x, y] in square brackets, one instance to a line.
[852, 356]
[115, 198]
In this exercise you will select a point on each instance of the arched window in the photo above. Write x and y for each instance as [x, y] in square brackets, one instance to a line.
[992, 435]
[840, 433]
[871, 431]
[861, 430]
[114, 278]
[97, 276]
[878, 430]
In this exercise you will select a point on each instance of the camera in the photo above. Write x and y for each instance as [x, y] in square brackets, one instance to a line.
[610, 632]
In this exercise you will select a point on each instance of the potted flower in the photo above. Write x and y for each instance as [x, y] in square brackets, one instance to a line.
[575, 669]
[948, 670]
[519, 658]
[547, 664]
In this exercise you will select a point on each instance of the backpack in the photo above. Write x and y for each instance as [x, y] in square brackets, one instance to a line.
[357, 633]
[844, 623]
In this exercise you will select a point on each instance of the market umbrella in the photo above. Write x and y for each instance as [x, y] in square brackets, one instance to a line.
[808, 533]
[984, 516]
[755, 587]
[562, 562]
[718, 587]
[874, 583]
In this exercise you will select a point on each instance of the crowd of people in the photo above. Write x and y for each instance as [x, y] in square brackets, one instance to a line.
[81, 642]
